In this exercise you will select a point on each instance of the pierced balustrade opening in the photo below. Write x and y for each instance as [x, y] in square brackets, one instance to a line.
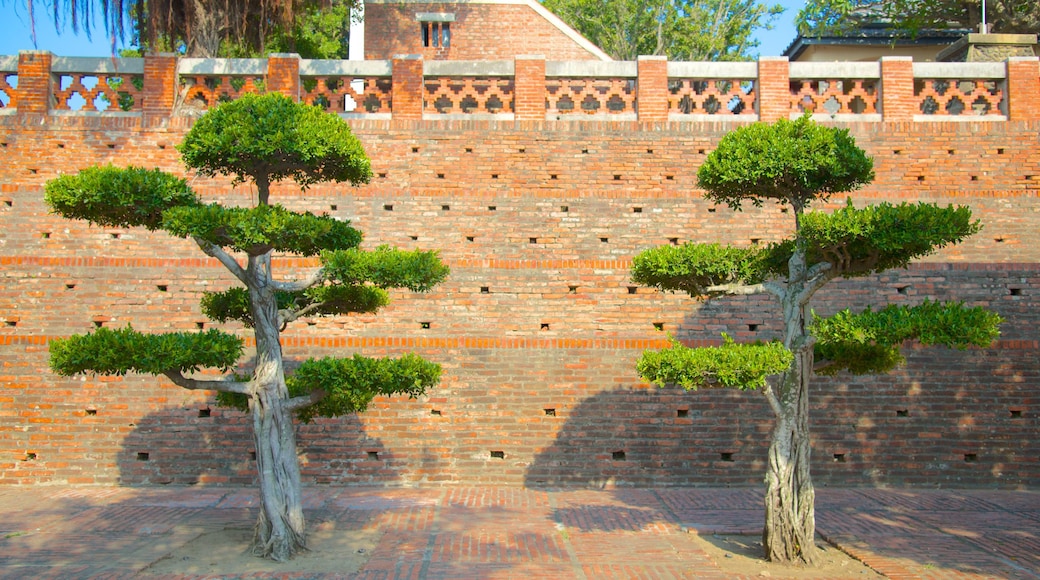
[469, 95]
[711, 96]
[835, 96]
[590, 96]
[963, 97]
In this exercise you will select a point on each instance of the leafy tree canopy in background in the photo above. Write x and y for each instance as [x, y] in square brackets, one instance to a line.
[682, 30]
[836, 17]
[209, 28]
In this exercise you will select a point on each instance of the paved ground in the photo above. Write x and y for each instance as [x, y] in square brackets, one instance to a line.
[114, 532]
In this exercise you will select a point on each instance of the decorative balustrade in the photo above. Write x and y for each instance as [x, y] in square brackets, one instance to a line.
[591, 88]
[960, 89]
[712, 88]
[835, 89]
[8, 82]
[468, 88]
[347, 87]
[37, 82]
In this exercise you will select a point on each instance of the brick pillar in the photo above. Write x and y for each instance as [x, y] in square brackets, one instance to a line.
[897, 88]
[1023, 88]
[160, 85]
[529, 88]
[407, 87]
[35, 90]
[283, 74]
[652, 87]
[774, 88]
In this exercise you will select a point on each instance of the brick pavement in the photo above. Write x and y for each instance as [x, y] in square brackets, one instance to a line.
[458, 533]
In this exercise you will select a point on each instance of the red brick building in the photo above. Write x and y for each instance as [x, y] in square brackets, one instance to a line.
[473, 30]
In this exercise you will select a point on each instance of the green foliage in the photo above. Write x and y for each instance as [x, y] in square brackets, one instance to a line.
[693, 268]
[110, 196]
[320, 32]
[350, 384]
[272, 138]
[741, 366]
[233, 303]
[385, 267]
[858, 242]
[683, 30]
[845, 17]
[117, 352]
[790, 162]
[868, 342]
[260, 229]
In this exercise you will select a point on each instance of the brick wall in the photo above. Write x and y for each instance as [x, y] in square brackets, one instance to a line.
[538, 327]
[480, 31]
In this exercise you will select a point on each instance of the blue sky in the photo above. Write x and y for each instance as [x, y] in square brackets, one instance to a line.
[16, 35]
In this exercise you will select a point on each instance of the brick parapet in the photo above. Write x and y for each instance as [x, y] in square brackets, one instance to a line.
[897, 89]
[160, 86]
[529, 91]
[652, 89]
[408, 90]
[1023, 85]
[774, 88]
[283, 75]
[35, 82]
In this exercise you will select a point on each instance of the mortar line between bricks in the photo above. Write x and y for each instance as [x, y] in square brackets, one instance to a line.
[431, 540]
[561, 529]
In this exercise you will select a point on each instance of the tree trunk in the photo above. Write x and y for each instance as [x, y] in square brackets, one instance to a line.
[790, 528]
[789, 534]
[280, 527]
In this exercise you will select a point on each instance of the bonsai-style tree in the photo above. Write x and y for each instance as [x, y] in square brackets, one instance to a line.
[261, 139]
[796, 163]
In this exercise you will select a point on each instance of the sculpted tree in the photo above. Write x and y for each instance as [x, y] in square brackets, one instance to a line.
[796, 163]
[261, 139]
[828, 17]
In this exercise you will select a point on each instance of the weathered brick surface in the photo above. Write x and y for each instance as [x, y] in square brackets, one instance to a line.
[537, 327]
[481, 31]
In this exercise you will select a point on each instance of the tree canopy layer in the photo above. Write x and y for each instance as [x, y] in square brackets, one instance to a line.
[798, 163]
[682, 30]
[257, 139]
[839, 17]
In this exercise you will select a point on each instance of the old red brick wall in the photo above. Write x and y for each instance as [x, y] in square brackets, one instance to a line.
[479, 32]
[538, 327]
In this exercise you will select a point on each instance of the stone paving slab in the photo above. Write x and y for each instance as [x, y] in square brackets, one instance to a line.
[501, 533]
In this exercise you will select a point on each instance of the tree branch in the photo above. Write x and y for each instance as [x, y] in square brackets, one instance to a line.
[773, 401]
[305, 400]
[817, 278]
[287, 316]
[738, 289]
[297, 285]
[226, 259]
[226, 384]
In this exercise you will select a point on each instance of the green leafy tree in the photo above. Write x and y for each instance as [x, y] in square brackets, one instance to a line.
[687, 30]
[209, 28]
[796, 163]
[261, 139]
[828, 17]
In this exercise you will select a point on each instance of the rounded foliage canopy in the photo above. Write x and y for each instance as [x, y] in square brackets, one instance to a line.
[791, 162]
[270, 137]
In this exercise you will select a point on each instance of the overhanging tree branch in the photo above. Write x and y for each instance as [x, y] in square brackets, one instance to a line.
[227, 384]
[224, 258]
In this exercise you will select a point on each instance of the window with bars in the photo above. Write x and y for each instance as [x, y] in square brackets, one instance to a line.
[436, 29]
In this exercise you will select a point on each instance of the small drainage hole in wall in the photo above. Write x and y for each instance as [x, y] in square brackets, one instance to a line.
[659, 326]
[492, 208]
[445, 208]
[712, 210]
[673, 241]
[752, 327]
[200, 325]
[424, 325]
[902, 289]
[70, 286]
[617, 177]
[550, 412]
[755, 241]
[205, 412]
[252, 455]
[971, 457]
[999, 240]
[11, 323]
[974, 177]
[572, 289]
[554, 176]
[727, 457]
[604, 240]
[650, 151]
[114, 236]
[681, 413]
[498, 455]
[470, 238]
[1015, 291]
[373, 456]
[618, 456]
[532, 240]
[333, 207]
[435, 412]
[485, 290]
[415, 149]
[45, 235]
[162, 287]
[414, 238]
[565, 209]
[382, 176]
[91, 412]
[1016, 413]
[494, 176]
[950, 151]
[388, 207]
[99, 323]
[142, 456]
[839, 458]
[920, 178]
[902, 413]
[632, 289]
[30, 456]
[440, 176]
[637, 210]
[8, 203]
[545, 326]
[61, 145]
[1000, 151]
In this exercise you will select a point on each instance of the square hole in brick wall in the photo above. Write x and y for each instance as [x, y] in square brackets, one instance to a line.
[70, 286]
[388, 207]
[902, 413]
[550, 412]
[633, 289]
[839, 458]
[470, 238]
[373, 455]
[91, 412]
[971, 457]
[659, 326]
[424, 325]
[565, 209]
[414, 238]
[618, 456]
[492, 208]
[572, 289]
[445, 207]
[726, 456]
[637, 210]
[205, 412]
[1016, 413]
[142, 456]
[681, 413]
[498, 455]
[252, 455]
[485, 290]
[436, 412]
[1015, 291]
